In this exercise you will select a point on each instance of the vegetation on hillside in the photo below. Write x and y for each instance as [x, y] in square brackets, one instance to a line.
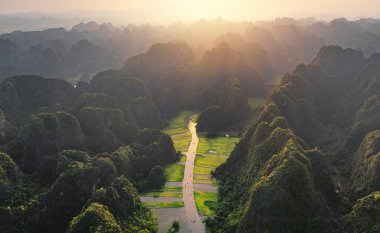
[75, 156]
[292, 170]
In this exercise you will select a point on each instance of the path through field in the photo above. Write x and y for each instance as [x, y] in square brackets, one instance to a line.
[195, 224]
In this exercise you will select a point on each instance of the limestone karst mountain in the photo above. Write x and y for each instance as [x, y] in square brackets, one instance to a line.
[93, 116]
[292, 168]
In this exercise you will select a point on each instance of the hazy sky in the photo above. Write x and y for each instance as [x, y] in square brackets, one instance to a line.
[164, 11]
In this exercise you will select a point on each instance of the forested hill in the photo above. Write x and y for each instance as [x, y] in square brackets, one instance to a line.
[271, 47]
[218, 85]
[311, 161]
[73, 157]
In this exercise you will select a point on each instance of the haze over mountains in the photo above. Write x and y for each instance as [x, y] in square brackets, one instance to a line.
[82, 113]
[272, 47]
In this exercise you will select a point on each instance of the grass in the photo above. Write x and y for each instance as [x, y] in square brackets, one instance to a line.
[202, 177]
[174, 172]
[179, 132]
[195, 118]
[181, 137]
[181, 141]
[171, 189]
[209, 182]
[203, 170]
[178, 124]
[210, 160]
[183, 159]
[162, 194]
[205, 162]
[166, 189]
[256, 103]
[219, 145]
[174, 228]
[160, 205]
[206, 202]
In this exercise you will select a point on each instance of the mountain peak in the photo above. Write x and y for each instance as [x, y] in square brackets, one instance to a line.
[338, 62]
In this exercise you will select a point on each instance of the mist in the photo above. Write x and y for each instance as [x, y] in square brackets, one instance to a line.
[169, 11]
[189, 116]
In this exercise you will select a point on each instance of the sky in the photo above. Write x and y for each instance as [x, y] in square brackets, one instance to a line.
[167, 11]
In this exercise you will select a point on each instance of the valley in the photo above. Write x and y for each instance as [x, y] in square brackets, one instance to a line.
[190, 193]
[206, 126]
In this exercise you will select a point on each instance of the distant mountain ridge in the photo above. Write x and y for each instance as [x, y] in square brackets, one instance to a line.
[281, 44]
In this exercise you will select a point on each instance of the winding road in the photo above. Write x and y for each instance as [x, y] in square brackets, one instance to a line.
[193, 217]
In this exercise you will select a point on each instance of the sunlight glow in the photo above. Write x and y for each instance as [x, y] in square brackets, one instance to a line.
[159, 11]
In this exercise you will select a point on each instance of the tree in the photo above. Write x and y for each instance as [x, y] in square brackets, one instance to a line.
[156, 177]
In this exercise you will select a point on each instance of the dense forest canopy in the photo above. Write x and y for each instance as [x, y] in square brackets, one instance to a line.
[74, 152]
[83, 113]
[310, 163]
